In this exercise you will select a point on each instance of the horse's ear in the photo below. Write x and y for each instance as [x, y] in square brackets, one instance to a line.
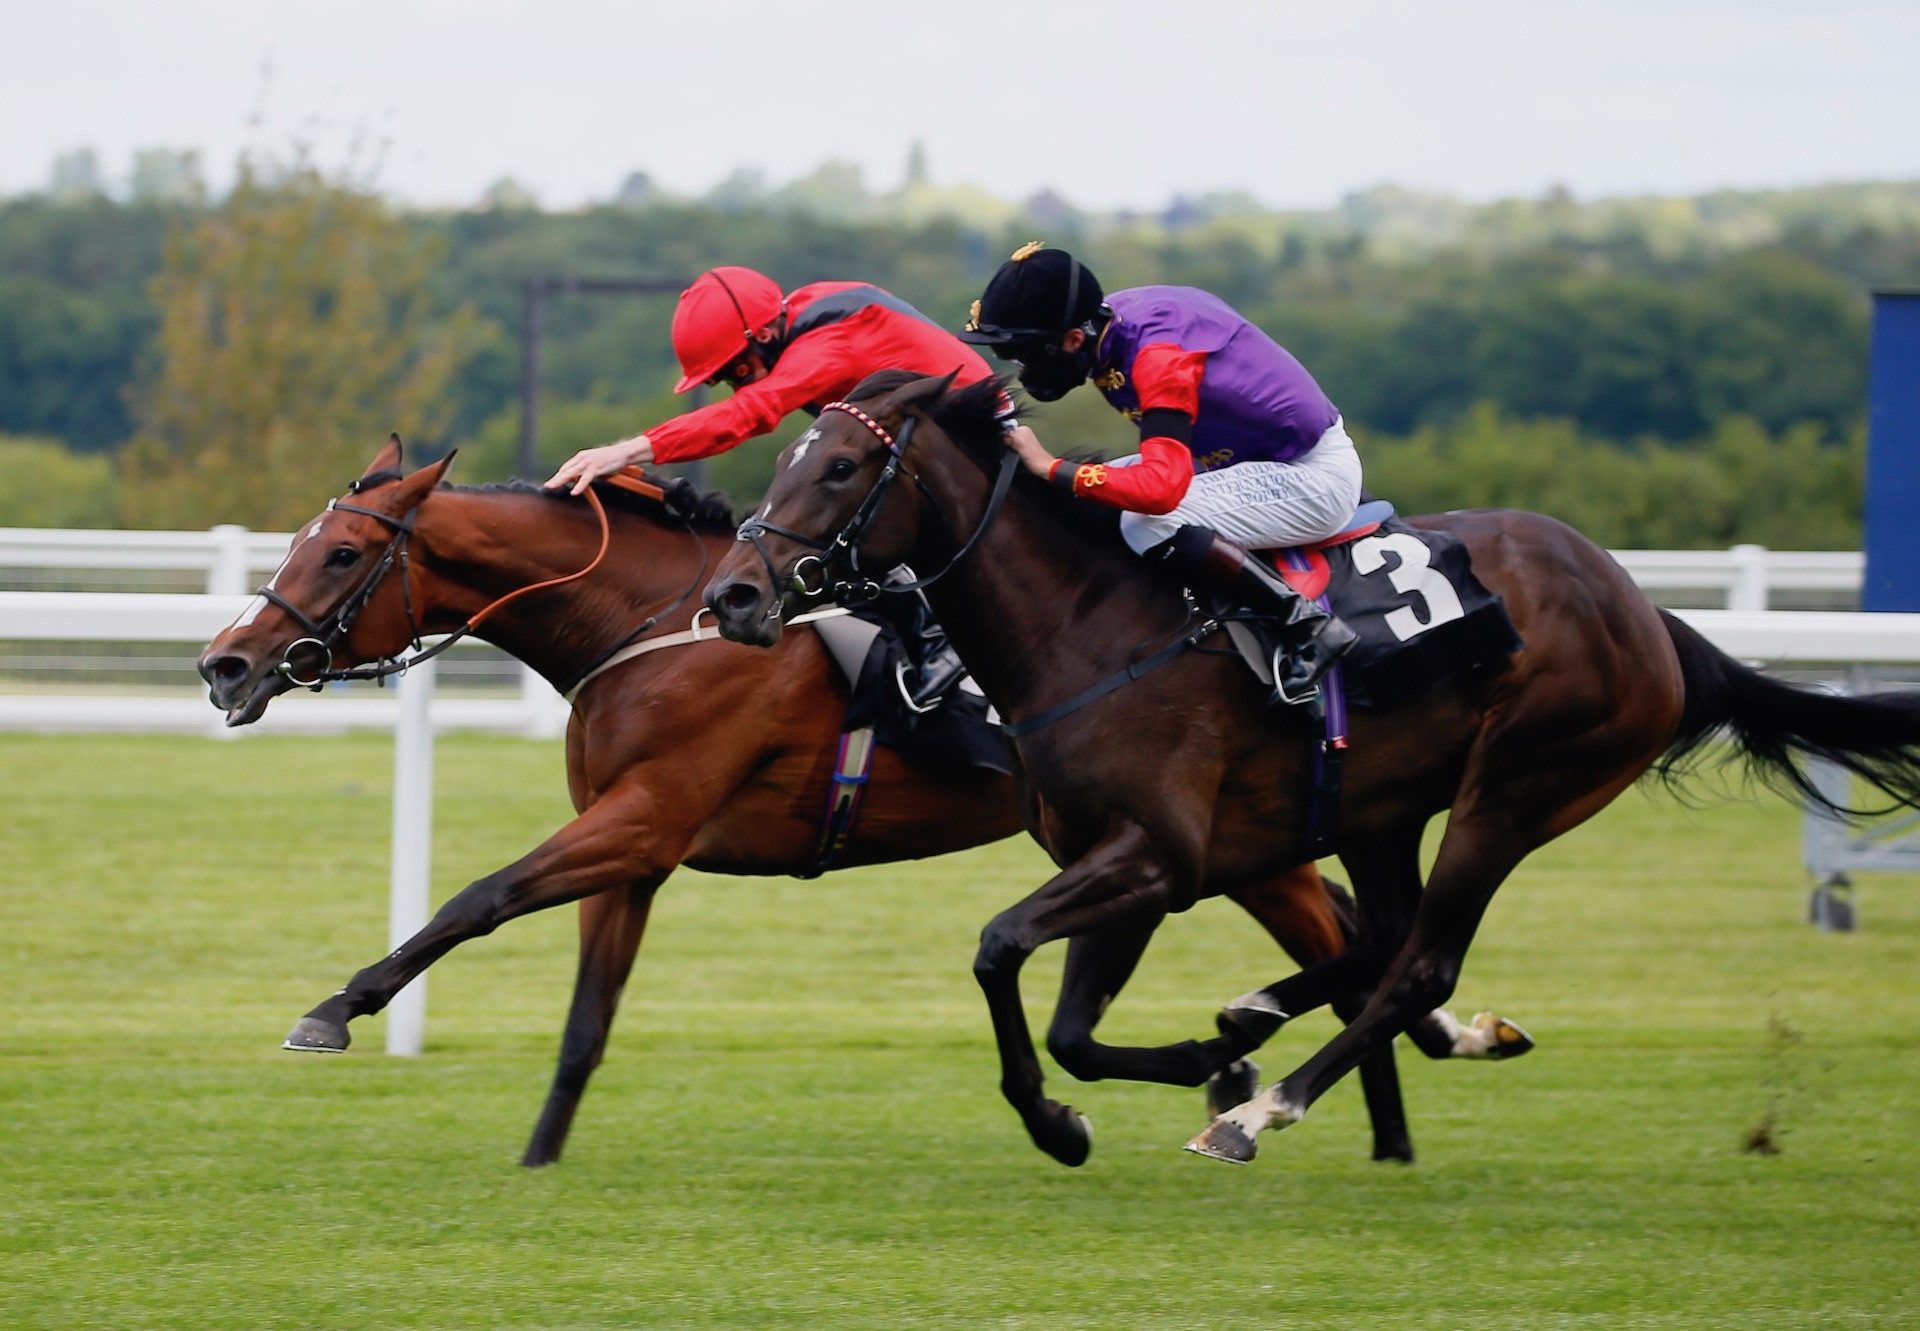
[387, 459]
[918, 395]
[412, 489]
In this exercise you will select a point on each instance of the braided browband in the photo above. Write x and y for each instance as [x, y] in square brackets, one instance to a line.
[884, 435]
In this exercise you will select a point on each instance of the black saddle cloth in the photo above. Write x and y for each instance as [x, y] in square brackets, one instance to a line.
[1412, 597]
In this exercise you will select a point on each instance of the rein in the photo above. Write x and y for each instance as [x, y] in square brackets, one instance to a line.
[837, 565]
[325, 635]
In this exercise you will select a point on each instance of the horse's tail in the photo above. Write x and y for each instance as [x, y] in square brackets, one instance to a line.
[1776, 727]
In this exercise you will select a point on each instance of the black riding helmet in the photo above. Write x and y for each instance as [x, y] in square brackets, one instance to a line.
[1036, 298]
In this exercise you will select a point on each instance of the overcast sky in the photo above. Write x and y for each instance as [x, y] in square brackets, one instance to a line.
[1115, 103]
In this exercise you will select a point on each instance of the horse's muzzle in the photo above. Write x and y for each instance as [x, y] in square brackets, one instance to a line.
[238, 688]
[745, 612]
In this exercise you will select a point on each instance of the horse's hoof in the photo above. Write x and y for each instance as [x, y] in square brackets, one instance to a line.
[1504, 1039]
[1232, 1086]
[1397, 1153]
[1064, 1133]
[1225, 1140]
[312, 1035]
[1252, 1016]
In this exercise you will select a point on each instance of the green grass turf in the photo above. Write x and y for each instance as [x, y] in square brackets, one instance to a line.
[799, 1122]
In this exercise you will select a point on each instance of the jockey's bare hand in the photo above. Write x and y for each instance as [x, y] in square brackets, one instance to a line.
[590, 464]
[1033, 454]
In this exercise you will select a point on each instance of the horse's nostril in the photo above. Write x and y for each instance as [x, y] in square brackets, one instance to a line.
[738, 597]
[223, 670]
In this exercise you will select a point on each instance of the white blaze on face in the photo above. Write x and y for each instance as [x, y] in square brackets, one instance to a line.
[800, 449]
[259, 603]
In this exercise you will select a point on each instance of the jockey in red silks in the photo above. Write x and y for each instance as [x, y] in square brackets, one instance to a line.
[1239, 448]
[780, 353]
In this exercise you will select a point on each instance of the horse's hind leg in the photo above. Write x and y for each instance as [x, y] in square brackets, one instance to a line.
[1489, 831]
[611, 926]
[1440, 1034]
[1421, 977]
[1314, 922]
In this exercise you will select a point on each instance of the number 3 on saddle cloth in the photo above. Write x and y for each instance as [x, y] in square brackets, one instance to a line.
[1411, 596]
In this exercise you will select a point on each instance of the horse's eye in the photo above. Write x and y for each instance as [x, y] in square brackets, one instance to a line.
[343, 556]
[841, 469]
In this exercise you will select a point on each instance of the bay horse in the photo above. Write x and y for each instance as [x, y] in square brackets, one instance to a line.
[1155, 780]
[708, 754]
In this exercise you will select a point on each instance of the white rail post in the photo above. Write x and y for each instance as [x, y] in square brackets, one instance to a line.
[228, 575]
[412, 848]
[546, 711]
[1749, 589]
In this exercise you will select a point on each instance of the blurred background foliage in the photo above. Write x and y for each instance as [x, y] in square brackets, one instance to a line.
[1657, 372]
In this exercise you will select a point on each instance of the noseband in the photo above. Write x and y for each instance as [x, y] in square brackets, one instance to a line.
[836, 566]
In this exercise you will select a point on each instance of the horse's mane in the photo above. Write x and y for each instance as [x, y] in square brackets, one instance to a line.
[706, 509]
[970, 417]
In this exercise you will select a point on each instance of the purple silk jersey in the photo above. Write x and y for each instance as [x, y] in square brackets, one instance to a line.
[1257, 403]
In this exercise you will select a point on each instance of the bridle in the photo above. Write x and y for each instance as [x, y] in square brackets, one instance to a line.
[836, 565]
[325, 635]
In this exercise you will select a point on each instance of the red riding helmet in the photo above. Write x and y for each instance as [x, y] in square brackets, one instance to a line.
[717, 317]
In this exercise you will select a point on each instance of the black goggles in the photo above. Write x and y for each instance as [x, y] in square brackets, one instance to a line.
[1023, 350]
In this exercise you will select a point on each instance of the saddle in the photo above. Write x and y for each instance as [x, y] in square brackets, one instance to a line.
[1421, 615]
[881, 653]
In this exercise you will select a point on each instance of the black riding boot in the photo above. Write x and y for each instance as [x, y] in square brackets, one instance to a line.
[932, 662]
[1311, 639]
[939, 666]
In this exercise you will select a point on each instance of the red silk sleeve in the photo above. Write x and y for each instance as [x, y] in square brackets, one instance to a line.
[808, 371]
[1168, 377]
[1155, 484]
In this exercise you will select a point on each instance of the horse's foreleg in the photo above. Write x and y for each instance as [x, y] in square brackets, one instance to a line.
[611, 926]
[1118, 884]
[1098, 967]
[612, 844]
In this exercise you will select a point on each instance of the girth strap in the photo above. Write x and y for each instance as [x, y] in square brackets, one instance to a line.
[1118, 679]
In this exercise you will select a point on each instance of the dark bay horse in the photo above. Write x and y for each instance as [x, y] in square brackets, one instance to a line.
[1181, 783]
[706, 754]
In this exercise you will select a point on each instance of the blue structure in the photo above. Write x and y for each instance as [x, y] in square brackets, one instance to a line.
[1893, 455]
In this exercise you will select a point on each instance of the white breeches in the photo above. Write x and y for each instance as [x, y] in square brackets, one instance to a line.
[1262, 505]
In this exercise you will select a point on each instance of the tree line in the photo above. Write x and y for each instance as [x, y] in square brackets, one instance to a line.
[200, 361]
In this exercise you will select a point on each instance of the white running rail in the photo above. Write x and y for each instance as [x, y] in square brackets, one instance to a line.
[229, 561]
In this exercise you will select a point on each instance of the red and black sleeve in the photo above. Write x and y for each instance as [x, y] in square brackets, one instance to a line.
[1167, 379]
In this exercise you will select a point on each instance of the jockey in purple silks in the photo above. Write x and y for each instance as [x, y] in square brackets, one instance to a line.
[1239, 448]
